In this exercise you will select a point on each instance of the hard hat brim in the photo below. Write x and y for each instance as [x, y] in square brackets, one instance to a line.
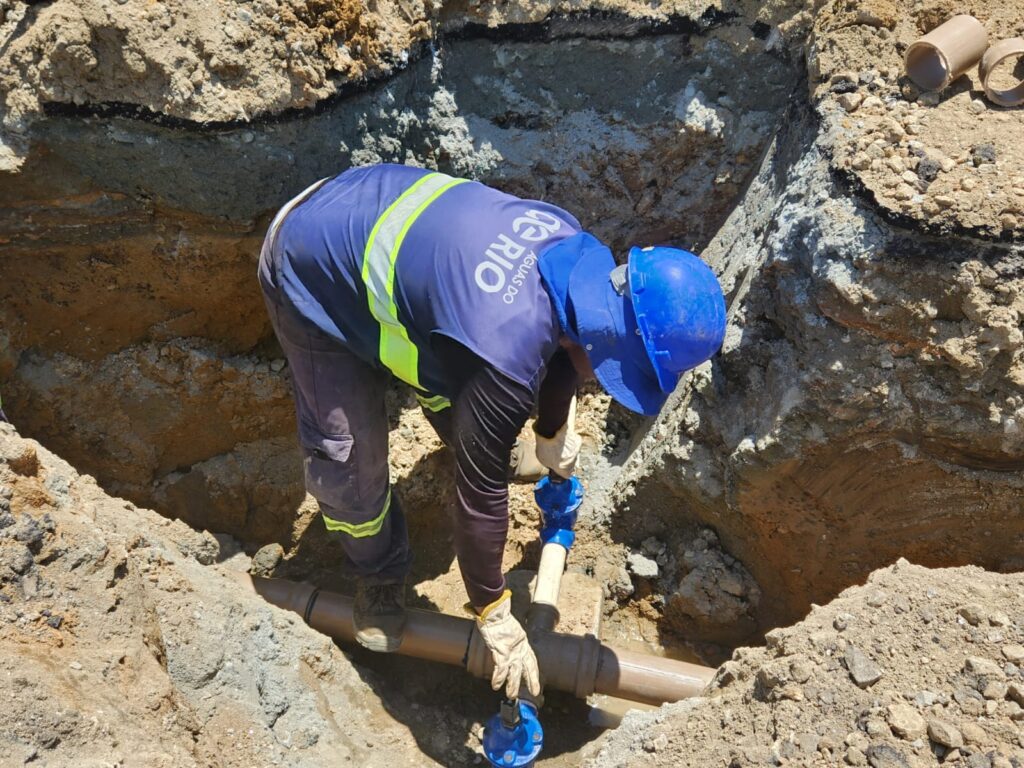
[608, 331]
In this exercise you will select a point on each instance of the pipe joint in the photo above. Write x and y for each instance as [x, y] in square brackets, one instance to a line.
[559, 501]
[560, 536]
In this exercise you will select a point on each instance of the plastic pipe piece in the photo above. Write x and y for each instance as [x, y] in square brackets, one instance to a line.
[543, 614]
[580, 665]
[549, 574]
[945, 53]
[994, 56]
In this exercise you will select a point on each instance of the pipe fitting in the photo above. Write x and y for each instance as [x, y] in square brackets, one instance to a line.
[1012, 48]
[945, 53]
[571, 663]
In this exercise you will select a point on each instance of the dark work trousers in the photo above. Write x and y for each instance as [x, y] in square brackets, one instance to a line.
[343, 429]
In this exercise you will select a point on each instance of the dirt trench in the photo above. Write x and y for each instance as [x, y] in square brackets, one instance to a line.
[866, 404]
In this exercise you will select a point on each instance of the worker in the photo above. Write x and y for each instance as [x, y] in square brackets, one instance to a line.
[486, 305]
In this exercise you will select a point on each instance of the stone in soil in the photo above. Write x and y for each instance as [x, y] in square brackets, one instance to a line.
[863, 671]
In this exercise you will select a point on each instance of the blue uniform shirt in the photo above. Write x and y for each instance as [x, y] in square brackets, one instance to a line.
[467, 269]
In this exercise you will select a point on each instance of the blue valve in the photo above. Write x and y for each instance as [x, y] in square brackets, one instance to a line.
[514, 737]
[559, 501]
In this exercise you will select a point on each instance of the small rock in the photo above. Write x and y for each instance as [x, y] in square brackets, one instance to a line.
[850, 101]
[659, 742]
[979, 666]
[928, 169]
[903, 192]
[29, 532]
[844, 84]
[266, 559]
[75, 666]
[1008, 221]
[928, 99]
[876, 727]
[925, 699]
[944, 733]
[972, 614]
[983, 153]
[861, 161]
[1014, 653]
[977, 106]
[905, 721]
[994, 690]
[998, 619]
[967, 184]
[642, 566]
[871, 102]
[1015, 692]
[55, 621]
[800, 670]
[652, 547]
[943, 201]
[973, 734]
[17, 557]
[854, 756]
[277, 365]
[863, 671]
[885, 756]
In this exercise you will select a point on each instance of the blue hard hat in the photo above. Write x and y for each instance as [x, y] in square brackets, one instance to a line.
[645, 324]
[679, 308]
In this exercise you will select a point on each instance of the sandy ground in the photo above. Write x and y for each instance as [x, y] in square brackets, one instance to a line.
[947, 159]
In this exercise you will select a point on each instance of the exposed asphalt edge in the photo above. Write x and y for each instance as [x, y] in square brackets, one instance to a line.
[586, 25]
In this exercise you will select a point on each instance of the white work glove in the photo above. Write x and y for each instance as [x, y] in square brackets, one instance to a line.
[514, 660]
[559, 453]
[523, 464]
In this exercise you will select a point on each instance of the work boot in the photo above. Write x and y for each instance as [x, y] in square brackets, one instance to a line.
[378, 615]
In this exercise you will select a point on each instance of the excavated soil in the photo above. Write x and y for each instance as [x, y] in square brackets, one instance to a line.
[916, 668]
[946, 160]
[866, 406]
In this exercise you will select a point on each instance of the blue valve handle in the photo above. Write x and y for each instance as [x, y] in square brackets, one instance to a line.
[513, 737]
[559, 501]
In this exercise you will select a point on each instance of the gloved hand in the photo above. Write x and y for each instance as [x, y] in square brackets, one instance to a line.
[523, 464]
[559, 453]
[514, 660]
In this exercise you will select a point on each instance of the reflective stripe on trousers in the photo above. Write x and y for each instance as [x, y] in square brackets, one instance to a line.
[360, 530]
[397, 351]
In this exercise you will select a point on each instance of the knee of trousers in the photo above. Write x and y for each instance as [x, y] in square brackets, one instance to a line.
[354, 498]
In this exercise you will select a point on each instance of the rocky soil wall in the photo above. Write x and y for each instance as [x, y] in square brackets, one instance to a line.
[132, 334]
[867, 403]
[125, 641]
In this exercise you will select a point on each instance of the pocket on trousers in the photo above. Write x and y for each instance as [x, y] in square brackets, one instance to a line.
[330, 468]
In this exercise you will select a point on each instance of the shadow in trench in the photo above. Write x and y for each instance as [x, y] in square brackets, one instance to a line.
[445, 709]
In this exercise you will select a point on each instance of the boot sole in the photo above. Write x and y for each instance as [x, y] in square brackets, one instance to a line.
[379, 643]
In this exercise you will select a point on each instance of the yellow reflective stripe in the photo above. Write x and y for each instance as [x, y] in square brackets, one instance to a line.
[397, 352]
[435, 403]
[360, 530]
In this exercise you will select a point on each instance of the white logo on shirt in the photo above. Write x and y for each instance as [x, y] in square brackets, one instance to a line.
[492, 274]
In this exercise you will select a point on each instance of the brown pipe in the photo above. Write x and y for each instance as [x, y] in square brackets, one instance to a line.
[945, 53]
[580, 665]
[1013, 48]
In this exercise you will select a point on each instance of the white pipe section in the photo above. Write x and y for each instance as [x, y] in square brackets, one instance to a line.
[549, 574]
